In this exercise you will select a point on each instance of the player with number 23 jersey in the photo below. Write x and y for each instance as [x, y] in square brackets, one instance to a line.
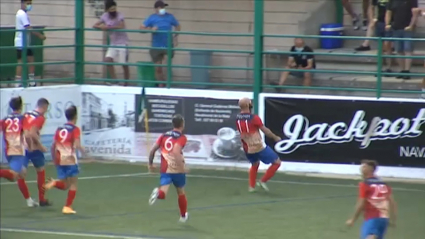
[172, 169]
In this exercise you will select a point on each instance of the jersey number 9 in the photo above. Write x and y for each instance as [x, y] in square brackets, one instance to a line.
[63, 135]
[12, 125]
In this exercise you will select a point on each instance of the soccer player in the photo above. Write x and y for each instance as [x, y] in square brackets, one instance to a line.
[33, 123]
[66, 142]
[12, 127]
[249, 126]
[172, 165]
[376, 200]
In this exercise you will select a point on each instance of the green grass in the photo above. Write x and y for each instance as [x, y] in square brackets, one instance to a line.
[219, 207]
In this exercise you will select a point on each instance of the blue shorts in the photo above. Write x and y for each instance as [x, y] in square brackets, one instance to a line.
[267, 156]
[67, 171]
[178, 179]
[374, 226]
[403, 45]
[16, 162]
[380, 30]
[36, 157]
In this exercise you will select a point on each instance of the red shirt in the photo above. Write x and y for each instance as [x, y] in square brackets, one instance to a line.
[33, 119]
[65, 137]
[13, 129]
[169, 162]
[377, 195]
[249, 126]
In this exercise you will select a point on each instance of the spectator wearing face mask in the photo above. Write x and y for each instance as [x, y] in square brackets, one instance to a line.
[111, 20]
[161, 20]
[299, 60]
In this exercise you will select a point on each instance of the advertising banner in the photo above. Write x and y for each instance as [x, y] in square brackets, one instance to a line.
[59, 97]
[333, 130]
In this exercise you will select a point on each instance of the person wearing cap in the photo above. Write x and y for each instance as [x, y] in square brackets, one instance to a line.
[161, 20]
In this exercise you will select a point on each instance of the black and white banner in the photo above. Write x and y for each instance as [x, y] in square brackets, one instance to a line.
[332, 131]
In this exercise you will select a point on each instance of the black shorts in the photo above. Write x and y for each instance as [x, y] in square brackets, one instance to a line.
[158, 55]
[19, 53]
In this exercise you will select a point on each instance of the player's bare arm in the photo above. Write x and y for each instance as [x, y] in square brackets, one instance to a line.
[358, 210]
[393, 210]
[155, 148]
[77, 145]
[270, 134]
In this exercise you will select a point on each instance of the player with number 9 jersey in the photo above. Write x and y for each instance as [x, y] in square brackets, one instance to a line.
[249, 126]
[64, 150]
[172, 169]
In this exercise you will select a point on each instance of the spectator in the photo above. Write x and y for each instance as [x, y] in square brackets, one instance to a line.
[416, 13]
[354, 17]
[23, 22]
[298, 60]
[400, 11]
[163, 21]
[377, 11]
[111, 20]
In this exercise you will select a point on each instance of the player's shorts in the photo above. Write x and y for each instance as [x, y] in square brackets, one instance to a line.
[374, 226]
[267, 156]
[36, 157]
[16, 162]
[178, 179]
[67, 171]
[119, 55]
[19, 53]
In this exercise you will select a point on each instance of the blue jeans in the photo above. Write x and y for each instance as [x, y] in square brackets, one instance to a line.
[403, 46]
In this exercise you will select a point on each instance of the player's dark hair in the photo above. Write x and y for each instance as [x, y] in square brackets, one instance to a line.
[42, 102]
[15, 103]
[71, 112]
[109, 4]
[178, 121]
[371, 163]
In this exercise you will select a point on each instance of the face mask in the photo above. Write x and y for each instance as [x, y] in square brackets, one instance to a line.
[113, 14]
[161, 11]
[299, 48]
[28, 8]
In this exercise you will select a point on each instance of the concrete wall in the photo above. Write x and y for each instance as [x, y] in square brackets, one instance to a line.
[236, 16]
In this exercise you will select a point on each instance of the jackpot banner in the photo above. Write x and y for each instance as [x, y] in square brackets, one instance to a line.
[333, 130]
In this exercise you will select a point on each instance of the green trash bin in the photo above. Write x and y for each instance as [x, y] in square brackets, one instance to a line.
[146, 73]
[7, 39]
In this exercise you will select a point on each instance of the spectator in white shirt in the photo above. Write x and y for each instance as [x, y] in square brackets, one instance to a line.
[23, 22]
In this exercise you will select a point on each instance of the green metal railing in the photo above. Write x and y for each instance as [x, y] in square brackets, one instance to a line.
[257, 52]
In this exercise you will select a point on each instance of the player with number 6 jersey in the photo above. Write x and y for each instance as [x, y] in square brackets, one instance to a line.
[13, 135]
[249, 126]
[64, 150]
[377, 203]
[172, 169]
[33, 123]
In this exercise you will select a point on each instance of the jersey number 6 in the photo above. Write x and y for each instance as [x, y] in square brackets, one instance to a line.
[168, 145]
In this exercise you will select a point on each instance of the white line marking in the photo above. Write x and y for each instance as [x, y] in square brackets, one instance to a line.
[89, 178]
[71, 234]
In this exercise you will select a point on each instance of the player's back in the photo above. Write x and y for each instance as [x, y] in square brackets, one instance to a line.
[64, 144]
[377, 193]
[12, 127]
[249, 126]
[171, 161]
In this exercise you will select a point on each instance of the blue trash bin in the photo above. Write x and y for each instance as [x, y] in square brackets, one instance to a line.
[331, 29]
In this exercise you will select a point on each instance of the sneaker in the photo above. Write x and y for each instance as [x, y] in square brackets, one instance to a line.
[384, 73]
[32, 84]
[251, 190]
[362, 48]
[185, 218]
[154, 196]
[45, 203]
[32, 203]
[68, 210]
[355, 23]
[401, 76]
[365, 25]
[406, 77]
[263, 186]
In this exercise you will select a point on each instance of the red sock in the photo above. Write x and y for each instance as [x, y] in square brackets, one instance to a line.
[71, 197]
[41, 180]
[161, 194]
[23, 188]
[60, 185]
[183, 205]
[5, 173]
[253, 175]
[270, 172]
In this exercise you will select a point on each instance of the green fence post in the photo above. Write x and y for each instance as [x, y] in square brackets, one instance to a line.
[379, 70]
[24, 67]
[79, 42]
[169, 58]
[258, 50]
[339, 11]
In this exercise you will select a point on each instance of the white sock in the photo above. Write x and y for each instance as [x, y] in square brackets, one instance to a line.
[31, 78]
